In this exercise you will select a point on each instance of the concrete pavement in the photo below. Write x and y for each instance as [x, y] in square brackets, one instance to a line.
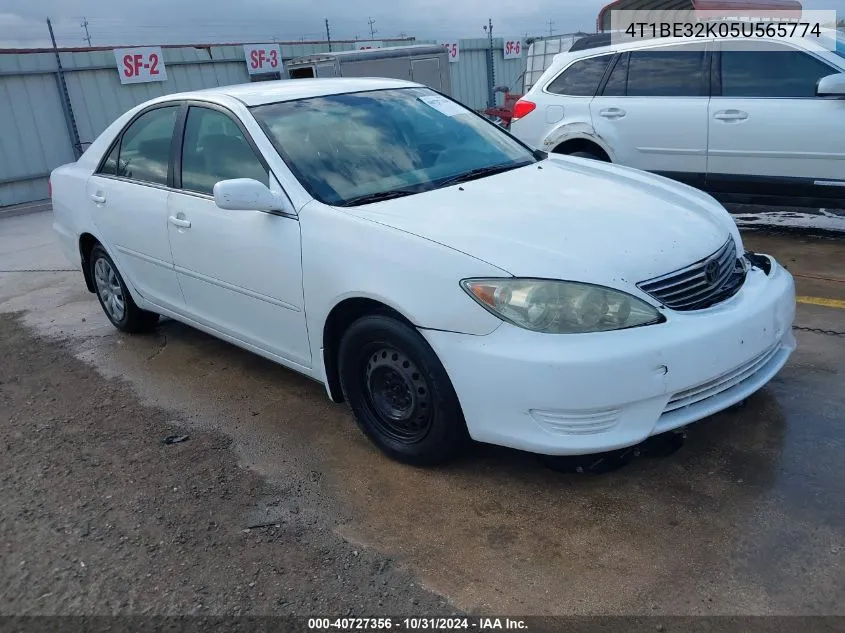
[747, 518]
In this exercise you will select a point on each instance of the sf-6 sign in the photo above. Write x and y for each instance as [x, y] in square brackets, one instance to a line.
[140, 65]
[512, 49]
[262, 58]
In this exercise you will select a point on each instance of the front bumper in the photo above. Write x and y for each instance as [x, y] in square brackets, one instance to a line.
[589, 393]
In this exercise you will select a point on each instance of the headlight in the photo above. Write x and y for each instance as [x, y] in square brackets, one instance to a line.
[560, 307]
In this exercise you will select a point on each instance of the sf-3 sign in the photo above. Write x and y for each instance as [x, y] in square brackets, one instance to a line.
[262, 58]
[140, 65]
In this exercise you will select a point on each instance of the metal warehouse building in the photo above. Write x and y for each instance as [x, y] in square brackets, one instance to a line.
[48, 117]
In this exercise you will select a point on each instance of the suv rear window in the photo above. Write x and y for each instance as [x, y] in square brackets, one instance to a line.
[582, 78]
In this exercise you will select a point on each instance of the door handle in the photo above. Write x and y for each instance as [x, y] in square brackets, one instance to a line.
[612, 113]
[182, 224]
[98, 198]
[730, 115]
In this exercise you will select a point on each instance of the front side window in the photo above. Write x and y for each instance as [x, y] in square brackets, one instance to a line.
[582, 78]
[748, 71]
[214, 148]
[359, 147]
[666, 72]
[143, 152]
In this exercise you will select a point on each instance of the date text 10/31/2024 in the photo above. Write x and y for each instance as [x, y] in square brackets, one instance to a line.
[416, 624]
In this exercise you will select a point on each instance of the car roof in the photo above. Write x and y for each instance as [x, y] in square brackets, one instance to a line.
[262, 92]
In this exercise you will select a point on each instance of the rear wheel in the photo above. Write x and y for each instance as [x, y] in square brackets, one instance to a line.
[114, 297]
[399, 392]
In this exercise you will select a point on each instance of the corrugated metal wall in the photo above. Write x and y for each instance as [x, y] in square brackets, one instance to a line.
[34, 137]
[33, 134]
[469, 75]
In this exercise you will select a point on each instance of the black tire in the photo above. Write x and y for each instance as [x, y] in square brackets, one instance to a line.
[399, 392]
[589, 155]
[111, 291]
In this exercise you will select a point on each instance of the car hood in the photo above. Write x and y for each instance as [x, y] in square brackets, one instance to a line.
[567, 218]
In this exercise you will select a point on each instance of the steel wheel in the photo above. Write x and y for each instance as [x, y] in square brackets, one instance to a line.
[398, 395]
[108, 287]
[399, 391]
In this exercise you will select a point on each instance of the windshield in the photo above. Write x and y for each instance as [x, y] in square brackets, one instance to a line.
[840, 44]
[360, 147]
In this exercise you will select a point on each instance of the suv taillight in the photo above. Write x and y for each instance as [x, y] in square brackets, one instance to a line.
[523, 107]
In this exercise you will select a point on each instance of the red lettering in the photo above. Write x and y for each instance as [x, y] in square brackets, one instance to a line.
[261, 58]
[137, 63]
[127, 65]
[153, 64]
[254, 59]
[274, 58]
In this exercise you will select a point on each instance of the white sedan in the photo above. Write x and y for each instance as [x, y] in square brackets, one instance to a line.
[433, 272]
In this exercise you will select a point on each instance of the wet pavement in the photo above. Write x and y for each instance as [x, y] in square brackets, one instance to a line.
[747, 518]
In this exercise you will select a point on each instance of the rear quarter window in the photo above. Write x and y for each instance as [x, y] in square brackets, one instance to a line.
[582, 78]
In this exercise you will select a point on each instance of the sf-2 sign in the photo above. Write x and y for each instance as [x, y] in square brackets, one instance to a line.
[454, 50]
[512, 49]
[140, 65]
[262, 58]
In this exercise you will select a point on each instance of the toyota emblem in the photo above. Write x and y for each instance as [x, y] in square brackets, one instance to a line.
[711, 272]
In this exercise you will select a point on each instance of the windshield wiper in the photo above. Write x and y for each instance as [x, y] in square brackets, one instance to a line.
[379, 196]
[480, 172]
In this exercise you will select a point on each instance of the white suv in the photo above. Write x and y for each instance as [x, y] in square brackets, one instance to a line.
[743, 122]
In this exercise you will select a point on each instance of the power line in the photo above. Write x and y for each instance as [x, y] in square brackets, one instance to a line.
[551, 27]
[373, 30]
[84, 25]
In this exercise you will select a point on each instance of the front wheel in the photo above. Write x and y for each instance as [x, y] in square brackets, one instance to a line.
[399, 392]
[114, 297]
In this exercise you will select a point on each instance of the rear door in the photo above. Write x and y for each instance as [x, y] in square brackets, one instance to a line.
[770, 134]
[128, 196]
[652, 110]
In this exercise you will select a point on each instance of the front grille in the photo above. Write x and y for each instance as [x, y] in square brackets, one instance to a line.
[702, 284]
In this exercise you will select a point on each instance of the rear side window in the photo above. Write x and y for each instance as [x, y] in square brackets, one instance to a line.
[143, 152]
[666, 72]
[110, 164]
[785, 73]
[582, 78]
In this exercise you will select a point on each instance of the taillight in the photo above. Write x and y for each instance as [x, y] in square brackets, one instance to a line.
[522, 108]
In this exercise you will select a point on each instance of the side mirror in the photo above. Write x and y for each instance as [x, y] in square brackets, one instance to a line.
[831, 86]
[246, 194]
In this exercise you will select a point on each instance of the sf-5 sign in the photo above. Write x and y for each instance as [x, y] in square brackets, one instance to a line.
[262, 58]
[140, 65]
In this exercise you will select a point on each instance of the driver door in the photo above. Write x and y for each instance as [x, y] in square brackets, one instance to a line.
[240, 271]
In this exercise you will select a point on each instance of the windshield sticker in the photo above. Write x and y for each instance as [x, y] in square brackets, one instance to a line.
[443, 105]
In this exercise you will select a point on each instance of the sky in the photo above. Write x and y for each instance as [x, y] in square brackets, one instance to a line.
[110, 22]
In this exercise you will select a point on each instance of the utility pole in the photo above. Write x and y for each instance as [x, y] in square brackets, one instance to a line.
[328, 35]
[491, 70]
[373, 30]
[84, 25]
[67, 109]
[551, 27]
